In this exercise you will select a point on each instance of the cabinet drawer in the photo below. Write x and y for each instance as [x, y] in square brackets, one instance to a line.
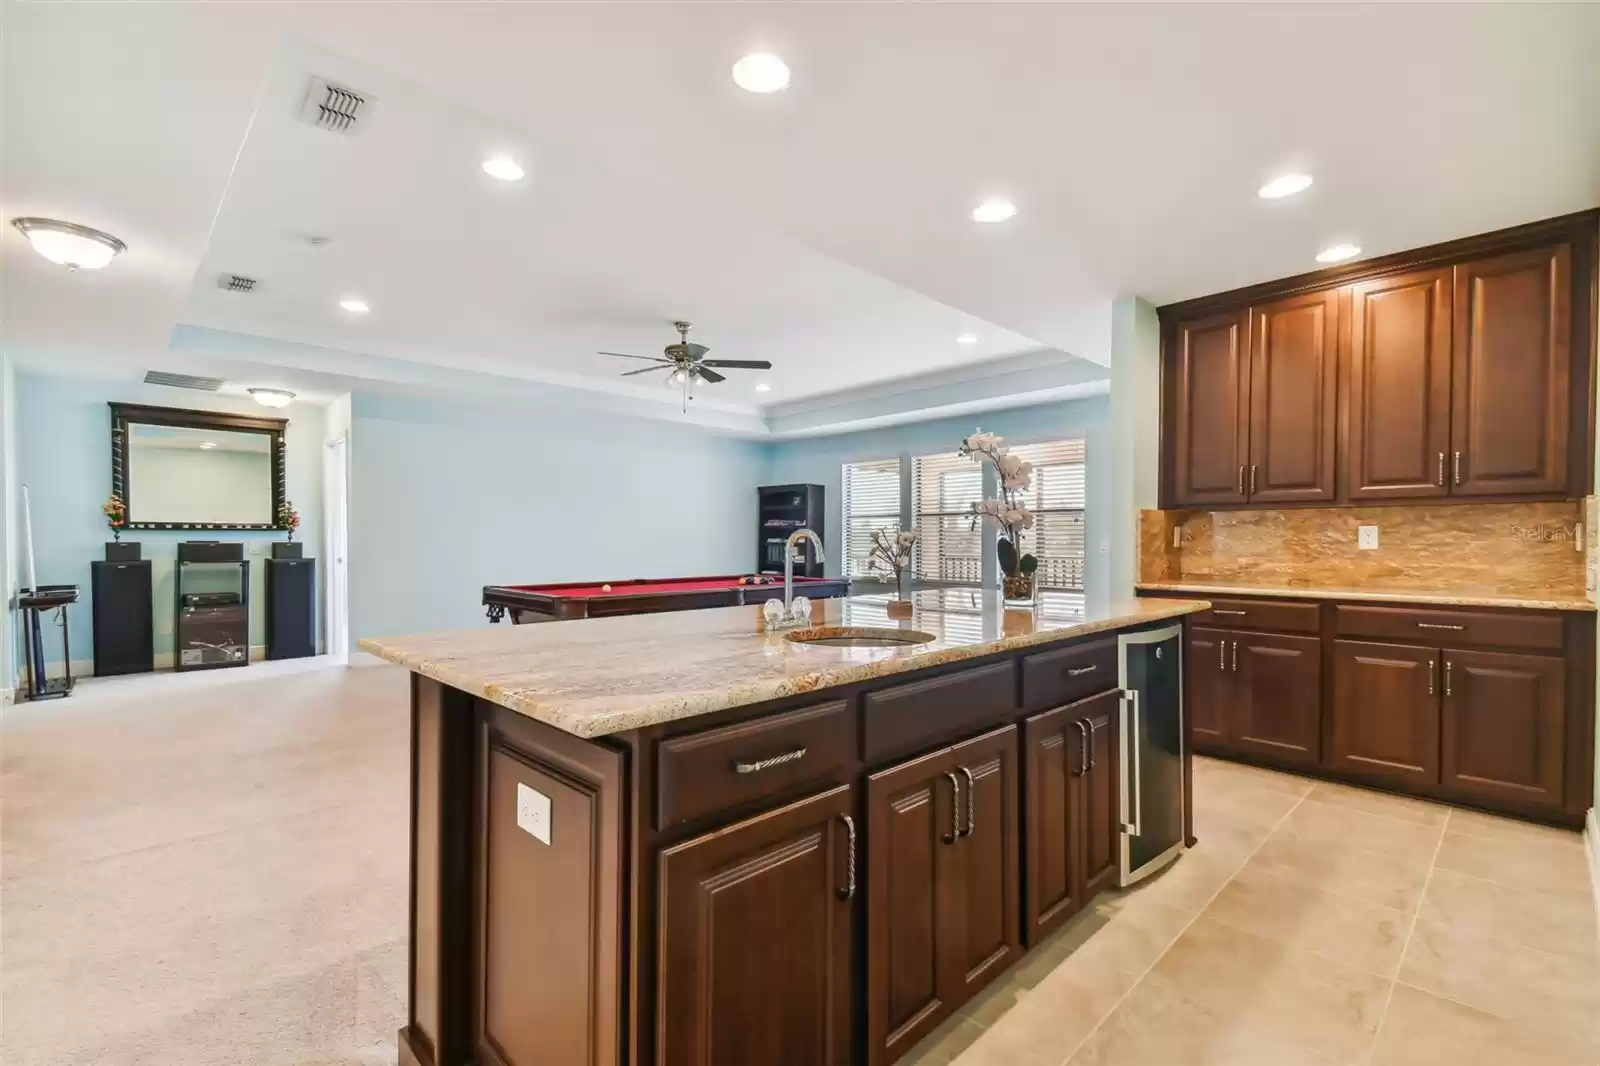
[706, 772]
[1452, 627]
[907, 717]
[1275, 615]
[1054, 678]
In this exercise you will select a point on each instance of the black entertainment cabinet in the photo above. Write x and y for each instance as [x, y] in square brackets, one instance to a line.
[782, 509]
[211, 602]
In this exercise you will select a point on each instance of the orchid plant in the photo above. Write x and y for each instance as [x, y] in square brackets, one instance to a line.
[891, 552]
[1008, 509]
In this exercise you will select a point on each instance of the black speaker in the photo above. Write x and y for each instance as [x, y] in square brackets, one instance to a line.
[210, 551]
[291, 608]
[124, 621]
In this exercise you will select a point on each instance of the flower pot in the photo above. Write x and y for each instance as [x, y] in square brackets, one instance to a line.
[899, 608]
[1018, 589]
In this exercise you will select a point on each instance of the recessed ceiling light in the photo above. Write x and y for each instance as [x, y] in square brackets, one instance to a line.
[272, 397]
[967, 338]
[1284, 185]
[1338, 253]
[207, 445]
[761, 72]
[69, 244]
[994, 211]
[503, 167]
[355, 305]
[763, 387]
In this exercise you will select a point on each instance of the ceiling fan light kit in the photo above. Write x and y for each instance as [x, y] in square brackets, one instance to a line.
[687, 364]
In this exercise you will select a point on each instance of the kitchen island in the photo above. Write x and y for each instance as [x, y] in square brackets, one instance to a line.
[664, 840]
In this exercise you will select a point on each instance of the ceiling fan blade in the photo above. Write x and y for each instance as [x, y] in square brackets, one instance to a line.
[739, 364]
[708, 375]
[625, 355]
[644, 370]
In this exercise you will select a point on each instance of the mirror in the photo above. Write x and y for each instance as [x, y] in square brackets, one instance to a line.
[179, 469]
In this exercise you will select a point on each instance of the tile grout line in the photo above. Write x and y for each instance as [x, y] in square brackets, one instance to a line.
[1422, 898]
[1195, 918]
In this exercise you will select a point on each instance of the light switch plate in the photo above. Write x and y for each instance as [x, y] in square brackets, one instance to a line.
[533, 813]
[1367, 538]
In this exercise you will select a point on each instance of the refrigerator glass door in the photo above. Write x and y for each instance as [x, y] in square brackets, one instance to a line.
[1152, 751]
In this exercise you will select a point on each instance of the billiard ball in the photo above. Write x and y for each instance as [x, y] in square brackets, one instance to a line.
[605, 588]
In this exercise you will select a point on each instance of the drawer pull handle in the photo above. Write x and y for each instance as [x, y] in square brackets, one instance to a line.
[766, 764]
[1219, 610]
[1081, 670]
[848, 892]
[972, 822]
[1440, 625]
[955, 809]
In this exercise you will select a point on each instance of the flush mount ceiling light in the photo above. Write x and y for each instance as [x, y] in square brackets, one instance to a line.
[1284, 185]
[355, 305]
[761, 72]
[69, 244]
[967, 338]
[207, 445]
[763, 387]
[272, 397]
[1338, 253]
[503, 167]
[994, 211]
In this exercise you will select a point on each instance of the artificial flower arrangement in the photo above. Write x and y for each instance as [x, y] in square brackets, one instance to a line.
[288, 518]
[1016, 476]
[891, 552]
[116, 513]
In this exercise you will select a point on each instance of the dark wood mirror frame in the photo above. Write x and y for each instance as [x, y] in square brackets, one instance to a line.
[123, 414]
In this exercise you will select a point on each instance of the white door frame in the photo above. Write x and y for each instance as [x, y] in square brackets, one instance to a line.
[336, 589]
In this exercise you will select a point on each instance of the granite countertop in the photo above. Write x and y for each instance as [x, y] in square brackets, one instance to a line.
[597, 676]
[1465, 596]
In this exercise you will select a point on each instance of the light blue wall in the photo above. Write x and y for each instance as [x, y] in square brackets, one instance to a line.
[63, 446]
[818, 461]
[449, 497]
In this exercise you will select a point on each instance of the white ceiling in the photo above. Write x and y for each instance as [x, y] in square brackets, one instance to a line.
[824, 227]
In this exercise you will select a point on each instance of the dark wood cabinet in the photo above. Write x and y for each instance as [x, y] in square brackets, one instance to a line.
[987, 860]
[1386, 711]
[1293, 384]
[1100, 794]
[1277, 695]
[1399, 371]
[756, 939]
[1210, 409]
[1511, 375]
[1208, 684]
[1504, 728]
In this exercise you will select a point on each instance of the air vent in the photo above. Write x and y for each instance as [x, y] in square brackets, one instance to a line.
[183, 381]
[333, 107]
[236, 283]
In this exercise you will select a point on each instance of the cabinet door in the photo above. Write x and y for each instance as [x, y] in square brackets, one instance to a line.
[1278, 709]
[1386, 711]
[1210, 686]
[1211, 400]
[911, 830]
[1505, 725]
[988, 895]
[1399, 359]
[1099, 790]
[1510, 397]
[1293, 378]
[775, 887]
[1056, 752]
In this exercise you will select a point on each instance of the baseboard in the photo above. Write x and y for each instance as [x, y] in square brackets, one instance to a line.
[163, 661]
[1591, 847]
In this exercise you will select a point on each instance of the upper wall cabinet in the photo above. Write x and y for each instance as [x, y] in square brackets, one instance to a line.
[1465, 370]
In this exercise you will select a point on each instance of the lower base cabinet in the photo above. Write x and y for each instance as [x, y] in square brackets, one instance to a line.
[1504, 734]
[1256, 693]
[757, 939]
[1386, 711]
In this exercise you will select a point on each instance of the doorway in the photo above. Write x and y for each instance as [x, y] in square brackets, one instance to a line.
[337, 590]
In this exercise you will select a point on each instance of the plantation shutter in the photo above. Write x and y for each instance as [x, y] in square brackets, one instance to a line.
[1057, 499]
[871, 501]
[944, 487]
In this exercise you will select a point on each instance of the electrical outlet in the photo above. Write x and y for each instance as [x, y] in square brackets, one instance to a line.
[1367, 538]
[533, 813]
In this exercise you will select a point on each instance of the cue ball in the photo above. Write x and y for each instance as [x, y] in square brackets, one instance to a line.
[605, 588]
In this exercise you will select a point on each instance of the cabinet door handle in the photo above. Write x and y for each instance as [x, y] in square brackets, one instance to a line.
[1440, 625]
[1236, 656]
[1447, 685]
[848, 892]
[1433, 666]
[1252, 479]
[1458, 468]
[1441, 470]
[1080, 671]
[766, 764]
[1222, 655]
[1083, 748]
[1092, 727]
[1241, 479]
[971, 805]
[955, 809]
[1219, 610]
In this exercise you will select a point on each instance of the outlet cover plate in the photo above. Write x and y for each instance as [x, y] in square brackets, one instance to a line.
[533, 813]
[1367, 538]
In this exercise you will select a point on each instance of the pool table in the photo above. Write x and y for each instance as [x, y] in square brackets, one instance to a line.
[588, 599]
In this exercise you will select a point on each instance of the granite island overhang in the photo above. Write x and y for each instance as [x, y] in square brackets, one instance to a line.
[665, 839]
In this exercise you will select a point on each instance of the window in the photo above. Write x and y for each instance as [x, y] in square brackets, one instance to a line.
[871, 501]
[944, 487]
[1057, 500]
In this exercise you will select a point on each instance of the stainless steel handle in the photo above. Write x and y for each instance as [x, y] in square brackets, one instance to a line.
[1433, 666]
[1440, 625]
[1241, 479]
[766, 764]
[1092, 728]
[1135, 779]
[971, 805]
[1458, 468]
[848, 892]
[955, 809]
[1219, 610]
[1222, 655]
[1083, 748]
[1236, 656]
[1441, 469]
[1080, 671]
[1252, 479]
[1447, 685]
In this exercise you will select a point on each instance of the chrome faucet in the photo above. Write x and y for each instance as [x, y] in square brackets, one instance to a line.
[791, 552]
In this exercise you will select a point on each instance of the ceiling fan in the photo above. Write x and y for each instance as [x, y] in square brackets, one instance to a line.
[687, 363]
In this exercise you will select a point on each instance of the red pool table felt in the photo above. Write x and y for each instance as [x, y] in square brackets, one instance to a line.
[650, 588]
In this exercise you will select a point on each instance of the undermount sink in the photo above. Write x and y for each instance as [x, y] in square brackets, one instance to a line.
[860, 637]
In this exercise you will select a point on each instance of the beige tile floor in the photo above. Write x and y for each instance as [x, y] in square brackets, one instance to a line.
[209, 869]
